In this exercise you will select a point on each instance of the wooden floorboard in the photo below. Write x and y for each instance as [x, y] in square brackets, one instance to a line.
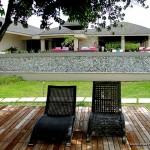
[16, 124]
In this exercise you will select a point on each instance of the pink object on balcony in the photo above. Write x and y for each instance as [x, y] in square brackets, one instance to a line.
[57, 48]
[143, 49]
[92, 48]
[88, 49]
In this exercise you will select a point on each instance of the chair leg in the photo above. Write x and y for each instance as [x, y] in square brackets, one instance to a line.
[89, 132]
[88, 139]
[31, 141]
[124, 139]
[70, 133]
[68, 144]
[30, 144]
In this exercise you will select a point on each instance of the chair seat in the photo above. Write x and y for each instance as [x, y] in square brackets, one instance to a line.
[53, 129]
[107, 124]
[115, 117]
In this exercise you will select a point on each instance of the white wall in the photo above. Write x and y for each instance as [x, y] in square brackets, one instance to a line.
[11, 40]
[79, 76]
[89, 41]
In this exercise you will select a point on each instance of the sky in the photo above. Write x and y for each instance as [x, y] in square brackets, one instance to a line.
[136, 15]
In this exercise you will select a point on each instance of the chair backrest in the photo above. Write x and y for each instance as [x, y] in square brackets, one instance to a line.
[61, 100]
[106, 97]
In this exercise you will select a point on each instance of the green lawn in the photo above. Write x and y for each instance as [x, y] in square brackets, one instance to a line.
[16, 87]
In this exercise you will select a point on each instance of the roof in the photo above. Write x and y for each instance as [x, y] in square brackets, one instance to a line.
[62, 30]
[127, 29]
[31, 30]
[67, 23]
[73, 25]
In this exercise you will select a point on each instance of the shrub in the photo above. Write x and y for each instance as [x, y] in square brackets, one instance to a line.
[12, 50]
[4, 80]
[131, 46]
[113, 45]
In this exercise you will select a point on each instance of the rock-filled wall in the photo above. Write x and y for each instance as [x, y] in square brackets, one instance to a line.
[76, 62]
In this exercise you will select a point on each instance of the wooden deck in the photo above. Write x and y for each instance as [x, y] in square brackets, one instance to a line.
[16, 123]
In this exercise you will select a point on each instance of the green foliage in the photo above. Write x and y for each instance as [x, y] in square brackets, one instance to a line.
[6, 80]
[68, 40]
[131, 46]
[21, 51]
[112, 45]
[84, 11]
[2, 11]
[12, 50]
[15, 50]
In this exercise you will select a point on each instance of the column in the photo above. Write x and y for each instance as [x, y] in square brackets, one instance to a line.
[50, 44]
[148, 44]
[76, 44]
[42, 45]
[123, 43]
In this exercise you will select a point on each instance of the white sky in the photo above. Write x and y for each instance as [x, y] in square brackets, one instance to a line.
[136, 15]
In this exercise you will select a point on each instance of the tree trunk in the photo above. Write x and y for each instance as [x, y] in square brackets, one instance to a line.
[4, 28]
[7, 21]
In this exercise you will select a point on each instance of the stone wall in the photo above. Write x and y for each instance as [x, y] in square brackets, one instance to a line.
[130, 62]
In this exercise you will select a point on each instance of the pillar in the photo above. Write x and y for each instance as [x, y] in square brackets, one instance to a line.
[76, 44]
[42, 45]
[50, 44]
[148, 44]
[123, 43]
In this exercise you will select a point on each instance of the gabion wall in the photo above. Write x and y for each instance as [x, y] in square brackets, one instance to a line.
[76, 62]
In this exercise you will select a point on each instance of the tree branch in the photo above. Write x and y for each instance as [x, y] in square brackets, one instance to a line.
[8, 20]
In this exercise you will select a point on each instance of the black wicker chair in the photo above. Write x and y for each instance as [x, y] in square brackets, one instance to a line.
[106, 118]
[56, 125]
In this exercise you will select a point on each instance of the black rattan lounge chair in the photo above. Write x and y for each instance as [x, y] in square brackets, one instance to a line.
[56, 125]
[106, 118]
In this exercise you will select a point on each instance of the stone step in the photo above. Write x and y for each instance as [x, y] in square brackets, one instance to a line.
[79, 99]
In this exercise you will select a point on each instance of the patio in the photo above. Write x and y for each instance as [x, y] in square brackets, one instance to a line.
[16, 123]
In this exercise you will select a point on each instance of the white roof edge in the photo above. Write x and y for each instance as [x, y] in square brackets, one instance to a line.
[116, 35]
[55, 34]
[16, 33]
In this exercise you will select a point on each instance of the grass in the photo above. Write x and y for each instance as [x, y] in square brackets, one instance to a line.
[135, 89]
[16, 87]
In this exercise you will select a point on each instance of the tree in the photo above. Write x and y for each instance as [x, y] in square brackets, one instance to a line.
[82, 11]
[68, 40]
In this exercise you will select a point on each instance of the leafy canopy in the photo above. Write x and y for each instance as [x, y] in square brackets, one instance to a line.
[68, 40]
[82, 11]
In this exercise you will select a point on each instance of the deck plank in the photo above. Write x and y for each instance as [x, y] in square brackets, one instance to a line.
[16, 124]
